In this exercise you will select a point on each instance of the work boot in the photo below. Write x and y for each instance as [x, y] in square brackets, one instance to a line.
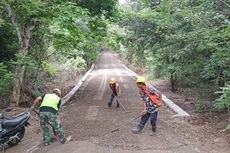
[153, 131]
[46, 143]
[138, 129]
[118, 105]
[154, 128]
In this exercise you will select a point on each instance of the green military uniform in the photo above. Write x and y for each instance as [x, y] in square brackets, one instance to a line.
[49, 113]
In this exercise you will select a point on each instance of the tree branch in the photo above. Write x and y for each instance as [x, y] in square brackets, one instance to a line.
[225, 3]
[12, 16]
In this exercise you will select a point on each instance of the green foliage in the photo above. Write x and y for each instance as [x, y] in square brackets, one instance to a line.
[218, 64]
[115, 36]
[184, 41]
[8, 42]
[48, 67]
[92, 56]
[67, 69]
[99, 7]
[28, 11]
[184, 38]
[75, 65]
[64, 32]
[75, 34]
[6, 78]
[98, 27]
[224, 99]
[38, 88]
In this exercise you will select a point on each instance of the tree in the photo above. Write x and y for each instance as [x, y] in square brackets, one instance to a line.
[186, 42]
[100, 7]
[48, 30]
[23, 27]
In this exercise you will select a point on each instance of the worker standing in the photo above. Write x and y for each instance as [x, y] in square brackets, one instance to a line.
[115, 91]
[151, 101]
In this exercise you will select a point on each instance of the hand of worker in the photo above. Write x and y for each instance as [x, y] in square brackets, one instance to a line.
[144, 112]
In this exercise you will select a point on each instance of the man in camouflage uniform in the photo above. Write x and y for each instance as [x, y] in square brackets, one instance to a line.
[48, 112]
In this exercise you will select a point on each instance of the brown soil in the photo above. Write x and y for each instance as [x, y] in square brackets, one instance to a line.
[88, 119]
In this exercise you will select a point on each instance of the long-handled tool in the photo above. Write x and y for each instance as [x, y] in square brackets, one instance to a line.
[55, 134]
[126, 123]
[121, 104]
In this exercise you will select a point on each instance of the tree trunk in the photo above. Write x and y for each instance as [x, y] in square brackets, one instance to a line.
[24, 34]
[221, 81]
[172, 81]
[18, 82]
[172, 75]
[20, 68]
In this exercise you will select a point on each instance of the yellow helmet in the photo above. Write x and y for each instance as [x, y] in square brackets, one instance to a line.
[140, 80]
[112, 81]
[57, 91]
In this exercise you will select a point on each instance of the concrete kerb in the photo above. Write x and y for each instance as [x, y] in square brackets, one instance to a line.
[67, 97]
[179, 112]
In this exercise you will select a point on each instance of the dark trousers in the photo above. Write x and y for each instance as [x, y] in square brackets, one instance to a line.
[111, 100]
[153, 119]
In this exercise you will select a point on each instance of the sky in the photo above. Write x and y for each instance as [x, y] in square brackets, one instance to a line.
[121, 1]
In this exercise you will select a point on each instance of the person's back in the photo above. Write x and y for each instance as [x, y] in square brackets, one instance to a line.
[50, 103]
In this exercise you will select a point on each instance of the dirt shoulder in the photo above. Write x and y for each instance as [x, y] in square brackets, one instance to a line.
[210, 125]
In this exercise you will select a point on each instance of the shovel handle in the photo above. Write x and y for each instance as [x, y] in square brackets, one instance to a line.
[126, 123]
[114, 130]
[121, 103]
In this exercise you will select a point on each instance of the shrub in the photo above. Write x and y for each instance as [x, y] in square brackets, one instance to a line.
[6, 78]
[224, 100]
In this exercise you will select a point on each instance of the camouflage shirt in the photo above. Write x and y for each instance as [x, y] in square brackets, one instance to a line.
[151, 108]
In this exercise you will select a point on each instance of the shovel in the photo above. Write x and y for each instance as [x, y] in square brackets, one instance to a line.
[121, 104]
[126, 123]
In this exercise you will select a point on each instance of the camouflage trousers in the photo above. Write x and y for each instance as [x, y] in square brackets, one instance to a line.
[53, 119]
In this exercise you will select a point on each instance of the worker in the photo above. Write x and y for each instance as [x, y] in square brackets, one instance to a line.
[49, 105]
[151, 101]
[115, 91]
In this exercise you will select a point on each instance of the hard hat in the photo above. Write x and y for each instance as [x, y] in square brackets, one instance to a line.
[112, 81]
[140, 80]
[57, 91]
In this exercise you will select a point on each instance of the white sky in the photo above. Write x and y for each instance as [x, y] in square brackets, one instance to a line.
[121, 1]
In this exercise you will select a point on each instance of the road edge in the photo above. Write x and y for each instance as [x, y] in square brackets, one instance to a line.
[67, 97]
